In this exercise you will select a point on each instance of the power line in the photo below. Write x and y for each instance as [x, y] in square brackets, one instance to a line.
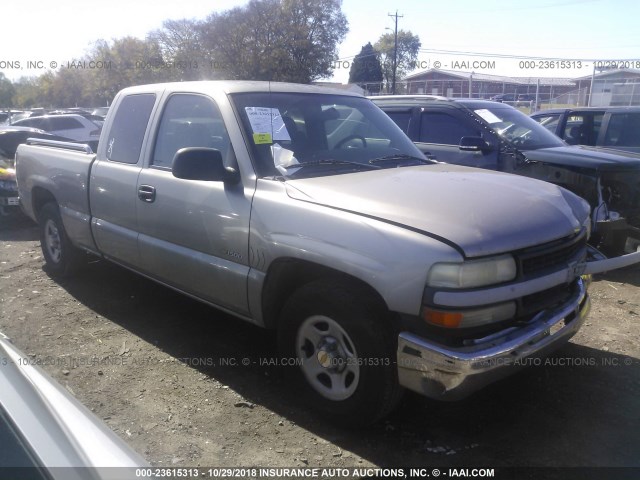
[525, 57]
[505, 55]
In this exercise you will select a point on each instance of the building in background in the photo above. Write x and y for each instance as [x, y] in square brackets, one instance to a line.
[613, 87]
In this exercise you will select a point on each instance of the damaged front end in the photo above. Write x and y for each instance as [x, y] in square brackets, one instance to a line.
[617, 216]
[614, 196]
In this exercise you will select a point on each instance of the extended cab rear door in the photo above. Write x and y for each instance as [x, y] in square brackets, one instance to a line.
[114, 178]
[621, 131]
[194, 235]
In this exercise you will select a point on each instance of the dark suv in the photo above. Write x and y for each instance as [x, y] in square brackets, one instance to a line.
[496, 136]
[609, 127]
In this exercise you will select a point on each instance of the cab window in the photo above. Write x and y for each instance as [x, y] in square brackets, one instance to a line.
[444, 129]
[189, 121]
[582, 128]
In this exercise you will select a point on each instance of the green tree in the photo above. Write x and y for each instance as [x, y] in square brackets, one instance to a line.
[181, 49]
[407, 54]
[7, 92]
[34, 91]
[68, 88]
[240, 43]
[366, 68]
[128, 61]
[27, 92]
[281, 40]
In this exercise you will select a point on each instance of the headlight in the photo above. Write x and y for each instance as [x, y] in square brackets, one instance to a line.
[473, 273]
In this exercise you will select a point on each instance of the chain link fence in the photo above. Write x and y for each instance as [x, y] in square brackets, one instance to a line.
[531, 95]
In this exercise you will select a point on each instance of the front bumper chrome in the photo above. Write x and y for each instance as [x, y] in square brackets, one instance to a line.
[448, 373]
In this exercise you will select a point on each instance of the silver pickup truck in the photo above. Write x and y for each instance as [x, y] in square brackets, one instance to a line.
[308, 211]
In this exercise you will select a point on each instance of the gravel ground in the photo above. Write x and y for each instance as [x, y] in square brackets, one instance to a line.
[168, 375]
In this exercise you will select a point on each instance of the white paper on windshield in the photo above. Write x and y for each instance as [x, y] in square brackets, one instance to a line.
[267, 125]
[283, 159]
[487, 115]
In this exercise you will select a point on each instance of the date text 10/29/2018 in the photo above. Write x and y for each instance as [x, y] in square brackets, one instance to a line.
[311, 472]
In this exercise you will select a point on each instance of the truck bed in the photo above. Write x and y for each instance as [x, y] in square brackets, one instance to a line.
[61, 170]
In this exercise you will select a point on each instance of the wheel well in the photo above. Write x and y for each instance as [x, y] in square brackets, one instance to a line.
[39, 198]
[287, 275]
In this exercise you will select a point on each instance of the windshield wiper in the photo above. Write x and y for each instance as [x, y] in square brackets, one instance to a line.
[331, 161]
[402, 157]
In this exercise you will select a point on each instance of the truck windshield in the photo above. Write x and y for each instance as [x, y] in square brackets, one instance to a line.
[518, 129]
[310, 135]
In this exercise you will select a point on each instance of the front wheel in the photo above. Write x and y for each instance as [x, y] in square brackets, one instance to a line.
[61, 256]
[344, 351]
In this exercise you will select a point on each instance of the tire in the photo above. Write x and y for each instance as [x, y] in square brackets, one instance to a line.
[62, 258]
[345, 349]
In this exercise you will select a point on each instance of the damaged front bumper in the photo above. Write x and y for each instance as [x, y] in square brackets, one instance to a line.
[449, 373]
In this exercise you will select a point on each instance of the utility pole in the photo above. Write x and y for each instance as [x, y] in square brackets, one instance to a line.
[395, 52]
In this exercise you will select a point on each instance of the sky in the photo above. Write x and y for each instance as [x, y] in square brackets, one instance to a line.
[467, 35]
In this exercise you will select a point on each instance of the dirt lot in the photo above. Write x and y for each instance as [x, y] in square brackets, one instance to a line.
[167, 374]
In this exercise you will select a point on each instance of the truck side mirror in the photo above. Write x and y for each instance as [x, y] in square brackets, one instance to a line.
[474, 144]
[197, 163]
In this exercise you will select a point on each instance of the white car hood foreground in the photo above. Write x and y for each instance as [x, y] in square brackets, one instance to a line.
[65, 437]
[481, 211]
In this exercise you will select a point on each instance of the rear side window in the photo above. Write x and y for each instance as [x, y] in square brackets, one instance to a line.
[623, 130]
[65, 123]
[124, 140]
[444, 129]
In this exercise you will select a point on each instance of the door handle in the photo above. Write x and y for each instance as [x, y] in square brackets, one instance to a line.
[147, 193]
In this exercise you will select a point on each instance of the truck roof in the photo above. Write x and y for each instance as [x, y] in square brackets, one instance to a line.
[417, 100]
[617, 109]
[236, 86]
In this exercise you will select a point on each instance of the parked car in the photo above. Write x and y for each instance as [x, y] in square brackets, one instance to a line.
[97, 119]
[515, 99]
[7, 116]
[10, 138]
[48, 434]
[504, 97]
[306, 210]
[609, 127]
[73, 126]
[9, 200]
[100, 111]
[36, 112]
[499, 137]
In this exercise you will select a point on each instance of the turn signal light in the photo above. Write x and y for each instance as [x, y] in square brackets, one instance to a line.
[442, 319]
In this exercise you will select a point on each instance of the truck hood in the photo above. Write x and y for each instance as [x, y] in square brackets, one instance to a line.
[480, 211]
[580, 156]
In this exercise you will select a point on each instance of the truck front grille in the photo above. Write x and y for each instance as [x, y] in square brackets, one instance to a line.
[549, 298]
[554, 256]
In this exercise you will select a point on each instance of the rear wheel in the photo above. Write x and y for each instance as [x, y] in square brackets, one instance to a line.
[344, 350]
[61, 256]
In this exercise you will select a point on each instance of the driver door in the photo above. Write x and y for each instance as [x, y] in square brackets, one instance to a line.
[440, 131]
[194, 235]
